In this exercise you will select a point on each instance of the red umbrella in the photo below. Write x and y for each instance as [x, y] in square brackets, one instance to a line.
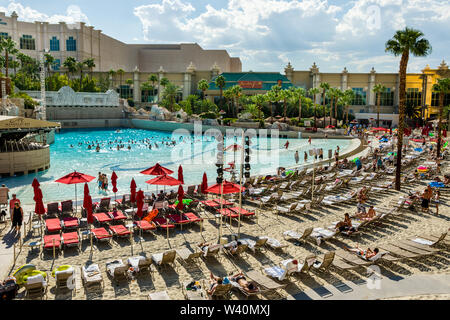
[227, 188]
[234, 148]
[133, 191]
[87, 204]
[39, 207]
[164, 180]
[75, 178]
[157, 170]
[180, 174]
[139, 203]
[180, 198]
[204, 185]
[35, 183]
[114, 182]
[86, 193]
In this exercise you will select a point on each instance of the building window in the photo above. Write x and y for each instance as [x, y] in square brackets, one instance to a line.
[413, 97]
[387, 98]
[54, 44]
[360, 97]
[435, 99]
[4, 35]
[56, 65]
[27, 43]
[71, 44]
[125, 92]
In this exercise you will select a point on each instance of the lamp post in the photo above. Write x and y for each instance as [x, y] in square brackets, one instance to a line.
[42, 111]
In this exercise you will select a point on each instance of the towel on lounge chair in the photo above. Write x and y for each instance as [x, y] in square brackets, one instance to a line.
[101, 233]
[145, 225]
[273, 243]
[102, 217]
[52, 240]
[120, 230]
[70, 239]
[117, 216]
[71, 222]
[91, 274]
[53, 225]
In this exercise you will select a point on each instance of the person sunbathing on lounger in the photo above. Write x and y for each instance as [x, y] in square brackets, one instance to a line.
[232, 246]
[214, 282]
[244, 284]
[366, 255]
[346, 225]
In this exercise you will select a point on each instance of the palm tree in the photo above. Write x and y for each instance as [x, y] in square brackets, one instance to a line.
[220, 83]
[442, 87]
[325, 86]
[9, 47]
[228, 94]
[285, 95]
[146, 87]
[403, 43]
[90, 64]
[49, 61]
[273, 96]
[379, 89]
[203, 85]
[346, 100]
[236, 93]
[71, 65]
[170, 93]
[298, 94]
[153, 78]
[120, 72]
[333, 94]
[314, 92]
[80, 66]
[259, 101]
[112, 73]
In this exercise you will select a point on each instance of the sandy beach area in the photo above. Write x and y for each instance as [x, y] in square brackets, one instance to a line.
[399, 227]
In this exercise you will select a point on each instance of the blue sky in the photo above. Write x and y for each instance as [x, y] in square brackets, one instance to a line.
[265, 34]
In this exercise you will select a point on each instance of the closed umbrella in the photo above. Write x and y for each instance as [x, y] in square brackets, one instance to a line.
[133, 191]
[39, 208]
[139, 203]
[114, 183]
[87, 204]
[180, 174]
[180, 198]
[75, 178]
[204, 185]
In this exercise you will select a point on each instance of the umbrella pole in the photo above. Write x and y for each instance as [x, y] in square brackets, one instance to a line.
[167, 228]
[240, 184]
[75, 199]
[221, 208]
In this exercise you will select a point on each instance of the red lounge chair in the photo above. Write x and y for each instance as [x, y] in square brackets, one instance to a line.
[70, 223]
[102, 217]
[71, 239]
[243, 212]
[210, 203]
[228, 213]
[53, 225]
[120, 231]
[101, 234]
[52, 240]
[162, 223]
[117, 216]
[144, 225]
[224, 202]
[192, 217]
[178, 219]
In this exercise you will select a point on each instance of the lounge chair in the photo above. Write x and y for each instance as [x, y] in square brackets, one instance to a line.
[71, 240]
[321, 234]
[286, 210]
[117, 216]
[36, 287]
[323, 264]
[239, 251]
[161, 295]
[228, 213]
[52, 241]
[103, 206]
[298, 236]
[101, 234]
[145, 226]
[396, 251]
[53, 225]
[91, 276]
[281, 272]
[53, 209]
[102, 218]
[212, 251]
[419, 246]
[140, 264]
[430, 240]
[192, 217]
[120, 231]
[117, 270]
[253, 245]
[265, 283]
[163, 224]
[67, 207]
[178, 219]
[190, 191]
[221, 291]
[224, 202]
[274, 243]
[65, 279]
[192, 294]
[414, 249]
[188, 256]
[165, 258]
[70, 223]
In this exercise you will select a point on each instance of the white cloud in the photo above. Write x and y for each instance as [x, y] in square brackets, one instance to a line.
[73, 14]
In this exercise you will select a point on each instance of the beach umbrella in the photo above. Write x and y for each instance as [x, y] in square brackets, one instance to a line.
[139, 203]
[86, 193]
[204, 184]
[114, 183]
[180, 174]
[225, 188]
[180, 198]
[87, 204]
[133, 191]
[157, 170]
[164, 180]
[39, 208]
[75, 178]
[35, 183]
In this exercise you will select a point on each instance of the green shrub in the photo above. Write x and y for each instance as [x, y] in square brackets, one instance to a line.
[208, 115]
[228, 121]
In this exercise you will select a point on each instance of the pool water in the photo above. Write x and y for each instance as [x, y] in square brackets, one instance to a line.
[196, 154]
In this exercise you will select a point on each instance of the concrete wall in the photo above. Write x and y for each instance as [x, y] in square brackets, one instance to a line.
[24, 162]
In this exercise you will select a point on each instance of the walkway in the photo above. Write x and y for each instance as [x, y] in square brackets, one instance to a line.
[413, 285]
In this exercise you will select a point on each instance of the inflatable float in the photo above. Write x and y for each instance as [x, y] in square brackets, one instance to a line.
[26, 271]
[63, 268]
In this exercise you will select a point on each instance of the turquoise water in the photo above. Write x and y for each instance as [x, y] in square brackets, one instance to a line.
[196, 154]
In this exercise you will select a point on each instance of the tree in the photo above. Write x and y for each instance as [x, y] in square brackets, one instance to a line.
[90, 64]
[80, 67]
[203, 85]
[120, 72]
[403, 43]
[9, 47]
[325, 86]
[153, 78]
[146, 87]
[442, 87]
[346, 100]
[236, 92]
[71, 66]
[49, 61]
[170, 93]
[333, 95]
[228, 95]
[273, 96]
[285, 95]
[379, 89]
[297, 95]
[220, 83]
[259, 101]
[314, 92]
